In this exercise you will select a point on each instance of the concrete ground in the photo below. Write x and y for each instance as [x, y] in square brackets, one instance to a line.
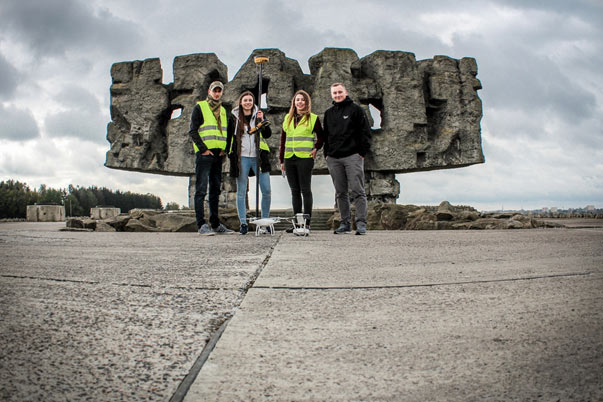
[396, 315]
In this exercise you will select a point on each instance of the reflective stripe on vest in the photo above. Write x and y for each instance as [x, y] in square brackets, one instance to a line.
[299, 140]
[209, 132]
[263, 144]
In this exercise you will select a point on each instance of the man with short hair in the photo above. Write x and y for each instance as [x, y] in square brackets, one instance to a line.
[208, 132]
[346, 142]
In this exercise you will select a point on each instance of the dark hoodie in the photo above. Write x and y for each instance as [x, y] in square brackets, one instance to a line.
[346, 130]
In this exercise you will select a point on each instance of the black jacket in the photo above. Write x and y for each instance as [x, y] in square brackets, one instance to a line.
[233, 146]
[346, 130]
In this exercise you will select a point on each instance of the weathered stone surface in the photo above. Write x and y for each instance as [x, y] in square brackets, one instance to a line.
[389, 216]
[45, 213]
[381, 186]
[430, 110]
[104, 227]
[119, 222]
[444, 212]
[140, 110]
[171, 222]
[81, 223]
[104, 212]
[134, 225]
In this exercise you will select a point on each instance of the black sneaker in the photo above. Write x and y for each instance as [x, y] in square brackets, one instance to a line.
[244, 229]
[360, 228]
[290, 230]
[221, 229]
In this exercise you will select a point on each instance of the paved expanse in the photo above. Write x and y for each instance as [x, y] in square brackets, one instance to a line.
[396, 315]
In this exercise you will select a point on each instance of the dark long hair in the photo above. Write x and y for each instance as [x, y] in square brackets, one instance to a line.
[241, 116]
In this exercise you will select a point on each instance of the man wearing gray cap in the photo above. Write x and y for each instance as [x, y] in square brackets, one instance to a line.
[208, 132]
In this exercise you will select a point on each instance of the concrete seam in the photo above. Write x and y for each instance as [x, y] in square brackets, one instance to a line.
[40, 278]
[190, 378]
[49, 279]
[529, 278]
[258, 271]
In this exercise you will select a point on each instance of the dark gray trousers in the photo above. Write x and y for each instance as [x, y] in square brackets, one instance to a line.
[348, 178]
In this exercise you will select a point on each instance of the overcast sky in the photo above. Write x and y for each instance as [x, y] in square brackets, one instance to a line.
[540, 64]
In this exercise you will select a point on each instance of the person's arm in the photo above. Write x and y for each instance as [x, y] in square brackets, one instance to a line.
[317, 130]
[230, 133]
[364, 132]
[281, 155]
[196, 122]
[325, 135]
[266, 132]
[319, 134]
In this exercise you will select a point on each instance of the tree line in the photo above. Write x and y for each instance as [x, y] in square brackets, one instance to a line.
[16, 196]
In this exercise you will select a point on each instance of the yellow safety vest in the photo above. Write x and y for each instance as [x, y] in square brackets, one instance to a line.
[299, 140]
[263, 144]
[208, 131]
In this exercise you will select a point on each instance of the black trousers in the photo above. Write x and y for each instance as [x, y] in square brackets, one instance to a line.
[208, 170]
[299, 177]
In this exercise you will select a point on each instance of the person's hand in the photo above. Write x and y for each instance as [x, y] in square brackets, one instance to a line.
[282, 167]
[259, 115]
[208, 152]
[222, 153]
[313, 153]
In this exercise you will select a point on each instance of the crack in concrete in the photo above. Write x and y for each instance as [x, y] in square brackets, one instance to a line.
[39, 278]
[139, 285]
[421, 285]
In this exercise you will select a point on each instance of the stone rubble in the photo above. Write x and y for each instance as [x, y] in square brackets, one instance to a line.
[381, 216]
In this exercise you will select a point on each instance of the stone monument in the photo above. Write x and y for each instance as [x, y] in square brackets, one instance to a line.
[430, 110]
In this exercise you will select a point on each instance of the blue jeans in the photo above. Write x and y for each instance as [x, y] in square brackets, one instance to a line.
[208, 170]
[246, 164]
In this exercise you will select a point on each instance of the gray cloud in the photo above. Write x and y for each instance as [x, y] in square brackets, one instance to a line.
[83, 118]
[8, 78]
[588, 9]
[77, 98]
[53, 27]
[83, 124]
[17, 124]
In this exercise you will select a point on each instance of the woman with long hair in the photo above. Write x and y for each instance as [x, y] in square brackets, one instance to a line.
[242, 144]
[301, 138]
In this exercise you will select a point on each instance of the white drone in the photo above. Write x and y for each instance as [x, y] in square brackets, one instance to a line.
[299, 222]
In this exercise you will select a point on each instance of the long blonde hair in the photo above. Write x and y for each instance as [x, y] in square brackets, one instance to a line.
[292, 110]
